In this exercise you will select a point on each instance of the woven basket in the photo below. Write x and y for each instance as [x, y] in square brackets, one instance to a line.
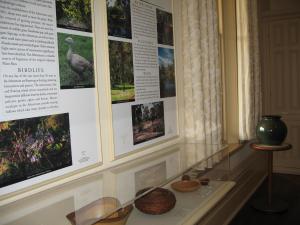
[156, 202]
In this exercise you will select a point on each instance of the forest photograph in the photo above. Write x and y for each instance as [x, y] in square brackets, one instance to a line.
[76, 63]
[147, 121]
[74, 14]
[121, 72]
[166, 72]
[119, 18]
[164, 27]
[33, 146]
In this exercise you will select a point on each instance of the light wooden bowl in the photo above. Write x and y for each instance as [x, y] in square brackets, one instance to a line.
[91, 213]
[186, 185]
[118, 218]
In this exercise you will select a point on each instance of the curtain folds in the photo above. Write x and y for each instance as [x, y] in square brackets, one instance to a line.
[249, 84]
[202, 72]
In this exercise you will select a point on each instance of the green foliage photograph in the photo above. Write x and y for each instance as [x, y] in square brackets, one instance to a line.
[147, 121]
[76, 67]
[121, 72]
[166, 72]
[33, 146]
[74, 14]
[119, 18]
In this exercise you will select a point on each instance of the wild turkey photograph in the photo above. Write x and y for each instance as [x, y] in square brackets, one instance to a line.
[76, 67]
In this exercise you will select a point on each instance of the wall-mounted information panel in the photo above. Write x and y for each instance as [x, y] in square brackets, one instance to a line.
[142, 72]
[48, 105]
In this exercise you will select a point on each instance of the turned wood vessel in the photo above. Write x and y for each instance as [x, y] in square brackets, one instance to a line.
[186, 185]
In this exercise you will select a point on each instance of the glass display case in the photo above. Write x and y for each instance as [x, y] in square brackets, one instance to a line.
[176, 185]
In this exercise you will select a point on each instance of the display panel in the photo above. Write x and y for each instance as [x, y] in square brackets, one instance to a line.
[47, 91]
[142, 73]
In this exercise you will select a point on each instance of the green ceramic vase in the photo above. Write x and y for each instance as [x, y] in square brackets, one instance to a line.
[271, 130]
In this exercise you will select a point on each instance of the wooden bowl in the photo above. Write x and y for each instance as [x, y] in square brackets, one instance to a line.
[91, 213]
[156, 202]
[186, 185]
[204, 180]
[118, 218]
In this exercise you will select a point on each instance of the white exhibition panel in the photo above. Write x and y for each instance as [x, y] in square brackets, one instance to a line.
[48, 98]
[146, 37]
[36, 64]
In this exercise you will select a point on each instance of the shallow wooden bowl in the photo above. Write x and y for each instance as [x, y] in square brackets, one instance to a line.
[118, 218]
[91, 213]
[186, 185]
[156, 202]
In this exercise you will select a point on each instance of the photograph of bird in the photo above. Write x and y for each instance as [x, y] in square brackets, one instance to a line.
[80, 65]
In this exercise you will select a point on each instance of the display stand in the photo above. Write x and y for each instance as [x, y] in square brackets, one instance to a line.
[270, 205]
[110, 195]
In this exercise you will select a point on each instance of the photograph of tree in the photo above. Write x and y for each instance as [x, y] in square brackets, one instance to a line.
[147, 121]
[119, 18]
[164, 27]
[74, 14]
[121, 72]
[166, 72]
[34, 146]
[76, 67]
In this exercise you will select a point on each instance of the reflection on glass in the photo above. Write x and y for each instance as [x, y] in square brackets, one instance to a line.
[149, 177]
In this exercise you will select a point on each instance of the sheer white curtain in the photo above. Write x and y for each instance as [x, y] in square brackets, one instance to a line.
[202, 79]
[202, 72]
[249, 84]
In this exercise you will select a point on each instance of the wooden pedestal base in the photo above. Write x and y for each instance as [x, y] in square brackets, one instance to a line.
[276, 206]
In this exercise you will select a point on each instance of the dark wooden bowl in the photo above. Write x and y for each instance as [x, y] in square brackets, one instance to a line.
[186, 185]
[204, 180]
[156, 202]
[185, 177]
